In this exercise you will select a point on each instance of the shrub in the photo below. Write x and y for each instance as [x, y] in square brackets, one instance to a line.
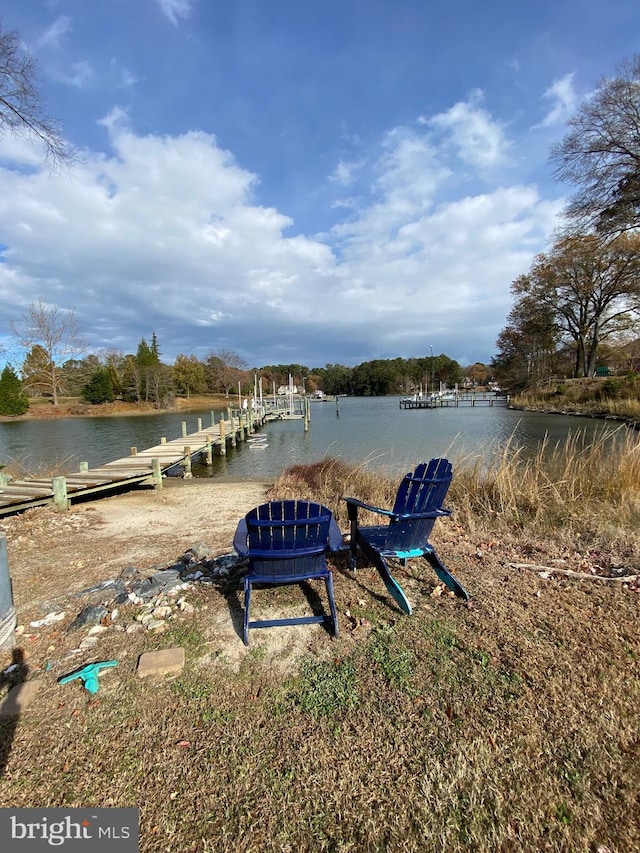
[13, 400]
[611, 387]
[99, 389]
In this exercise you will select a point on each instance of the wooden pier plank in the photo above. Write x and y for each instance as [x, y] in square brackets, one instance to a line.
[136, 469]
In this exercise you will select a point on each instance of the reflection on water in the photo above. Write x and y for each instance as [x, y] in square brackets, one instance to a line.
[372, 430]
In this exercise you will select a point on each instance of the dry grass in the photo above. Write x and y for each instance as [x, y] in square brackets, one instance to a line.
[617, 396]
[579, 485]
[582, 487]
[508, 725]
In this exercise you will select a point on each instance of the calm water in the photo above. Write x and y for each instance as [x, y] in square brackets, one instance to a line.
[370, 429]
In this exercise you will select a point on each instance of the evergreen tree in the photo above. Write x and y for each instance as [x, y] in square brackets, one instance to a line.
[13, 400]
[144, 354]
[154, 350]
[99, 389]
[150, 370]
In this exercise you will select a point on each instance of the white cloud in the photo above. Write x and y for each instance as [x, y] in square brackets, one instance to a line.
[564, 101]
[127, 79]
[478, 139]
[344, 173]
[116, 119]
[82, 75]
[176, 9]
[53, 35]
[165, 234]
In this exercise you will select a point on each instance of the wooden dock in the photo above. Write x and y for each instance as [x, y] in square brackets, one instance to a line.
[140, 468]
[454, 399]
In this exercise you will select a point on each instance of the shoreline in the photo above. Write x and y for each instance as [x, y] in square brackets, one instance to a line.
[77, 409]
[632, 423]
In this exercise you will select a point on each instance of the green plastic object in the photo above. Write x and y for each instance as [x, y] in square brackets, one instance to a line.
[88, 674]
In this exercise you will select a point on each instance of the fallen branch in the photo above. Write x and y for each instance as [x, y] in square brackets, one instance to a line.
[569, 573]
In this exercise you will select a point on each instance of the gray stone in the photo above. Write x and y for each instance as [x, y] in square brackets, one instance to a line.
[227, 561]
[146, 589]
[91, 615]
[128, 572]
[201, 551]
[166, 576]
[105, 590]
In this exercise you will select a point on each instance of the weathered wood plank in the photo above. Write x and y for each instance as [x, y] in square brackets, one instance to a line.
[136, 469]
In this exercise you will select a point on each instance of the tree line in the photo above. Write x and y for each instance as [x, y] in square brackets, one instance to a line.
[578, 306]
[52, 368]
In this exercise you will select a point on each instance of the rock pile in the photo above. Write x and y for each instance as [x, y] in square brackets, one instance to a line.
[157, 597]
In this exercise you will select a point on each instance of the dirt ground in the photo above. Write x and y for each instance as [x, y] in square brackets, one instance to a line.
[52, 554]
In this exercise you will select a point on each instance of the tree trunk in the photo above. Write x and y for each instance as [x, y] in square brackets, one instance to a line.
[54, 384]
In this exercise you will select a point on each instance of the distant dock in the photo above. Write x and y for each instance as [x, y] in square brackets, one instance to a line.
[139, 468]
[454, 399]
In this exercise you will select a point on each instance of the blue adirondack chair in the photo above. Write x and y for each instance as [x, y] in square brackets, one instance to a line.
[419, 502]
[286, 543]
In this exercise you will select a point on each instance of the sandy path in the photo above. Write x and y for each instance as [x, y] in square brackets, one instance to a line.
[54, 553]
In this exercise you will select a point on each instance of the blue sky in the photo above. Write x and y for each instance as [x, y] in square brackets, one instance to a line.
[306, 181]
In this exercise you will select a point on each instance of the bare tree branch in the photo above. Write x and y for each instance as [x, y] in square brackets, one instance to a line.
[51, 334]
[600, 155]
[21, 109]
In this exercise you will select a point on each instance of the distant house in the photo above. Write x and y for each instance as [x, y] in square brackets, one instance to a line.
[285, 389]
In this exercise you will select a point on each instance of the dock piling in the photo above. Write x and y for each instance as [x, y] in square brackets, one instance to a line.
[187, 463]
[157, 473]
[60, 499]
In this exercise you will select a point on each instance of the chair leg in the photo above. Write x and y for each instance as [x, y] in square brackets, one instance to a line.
[445, 575]
[332, 603]
[354, 544]
[393, 587]
[247, 605]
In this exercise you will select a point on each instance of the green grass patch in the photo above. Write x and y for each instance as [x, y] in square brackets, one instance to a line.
[186, 633]
[395, 663]
[325, 687]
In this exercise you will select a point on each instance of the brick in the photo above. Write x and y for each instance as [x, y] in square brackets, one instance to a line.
[163, 662]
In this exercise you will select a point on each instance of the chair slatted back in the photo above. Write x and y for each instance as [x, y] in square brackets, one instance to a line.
[422, 491]
[287, 538]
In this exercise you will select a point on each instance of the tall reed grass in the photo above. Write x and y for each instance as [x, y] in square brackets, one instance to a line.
[578, 484]
[625, 408]
[581, 484]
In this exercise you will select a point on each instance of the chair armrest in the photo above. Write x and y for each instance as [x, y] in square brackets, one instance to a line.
[240, 539]
[436, 513]
[353, 504]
